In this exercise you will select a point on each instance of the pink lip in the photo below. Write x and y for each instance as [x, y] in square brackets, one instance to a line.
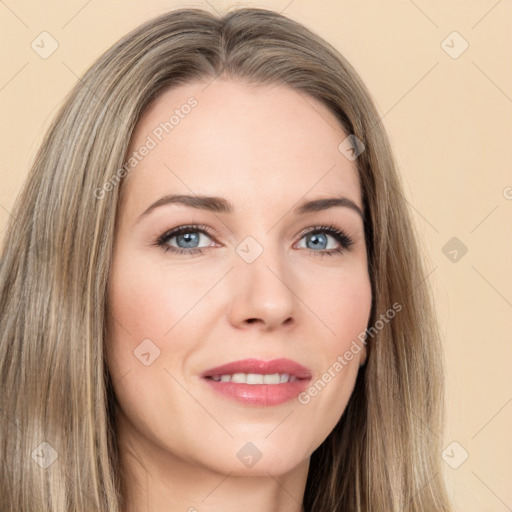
[260, 366]
[260, 394]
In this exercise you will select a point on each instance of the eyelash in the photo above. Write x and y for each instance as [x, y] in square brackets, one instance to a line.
[344, 240]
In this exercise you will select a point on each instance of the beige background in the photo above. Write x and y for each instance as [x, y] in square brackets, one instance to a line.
[450, 122]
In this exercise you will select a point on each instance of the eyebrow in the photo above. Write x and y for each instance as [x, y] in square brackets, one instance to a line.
[221, 205]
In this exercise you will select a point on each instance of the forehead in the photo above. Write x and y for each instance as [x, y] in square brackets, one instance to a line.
[256, 145]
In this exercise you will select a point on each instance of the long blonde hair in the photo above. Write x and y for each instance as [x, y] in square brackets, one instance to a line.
[383, 455]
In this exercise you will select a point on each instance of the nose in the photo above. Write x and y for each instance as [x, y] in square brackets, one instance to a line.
[262, 294]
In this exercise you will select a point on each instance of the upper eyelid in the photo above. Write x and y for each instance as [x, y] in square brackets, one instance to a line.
[190, 227]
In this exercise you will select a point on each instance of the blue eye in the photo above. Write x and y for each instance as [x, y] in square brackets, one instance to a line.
[318, 241]
[187, 239]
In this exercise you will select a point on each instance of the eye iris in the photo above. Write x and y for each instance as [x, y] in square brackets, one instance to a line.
[191, 239]
[317, 239]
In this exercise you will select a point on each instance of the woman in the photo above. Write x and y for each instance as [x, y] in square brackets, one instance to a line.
[211, 293]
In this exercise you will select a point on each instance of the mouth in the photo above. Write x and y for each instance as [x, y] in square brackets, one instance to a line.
[257, 382]
[255, 378]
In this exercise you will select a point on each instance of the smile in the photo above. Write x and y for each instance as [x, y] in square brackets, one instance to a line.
[259, 383]
[256, 378]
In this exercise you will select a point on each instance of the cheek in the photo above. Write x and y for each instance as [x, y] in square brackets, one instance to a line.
[147, 301]
[139, 317]
[154, 308]
[143, 349]
[347, 314]
[342, 303]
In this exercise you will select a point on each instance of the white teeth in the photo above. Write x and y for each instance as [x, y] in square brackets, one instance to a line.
[256, 378]
[272, 379]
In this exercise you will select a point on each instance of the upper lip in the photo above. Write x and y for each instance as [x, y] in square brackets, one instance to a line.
[260, 366]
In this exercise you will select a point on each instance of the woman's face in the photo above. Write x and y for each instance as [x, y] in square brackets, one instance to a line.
[261, 277]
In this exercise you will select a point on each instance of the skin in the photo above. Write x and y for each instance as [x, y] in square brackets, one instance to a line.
[264, 148]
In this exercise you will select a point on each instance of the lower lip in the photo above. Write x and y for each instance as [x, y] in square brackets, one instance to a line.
[260, 394]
